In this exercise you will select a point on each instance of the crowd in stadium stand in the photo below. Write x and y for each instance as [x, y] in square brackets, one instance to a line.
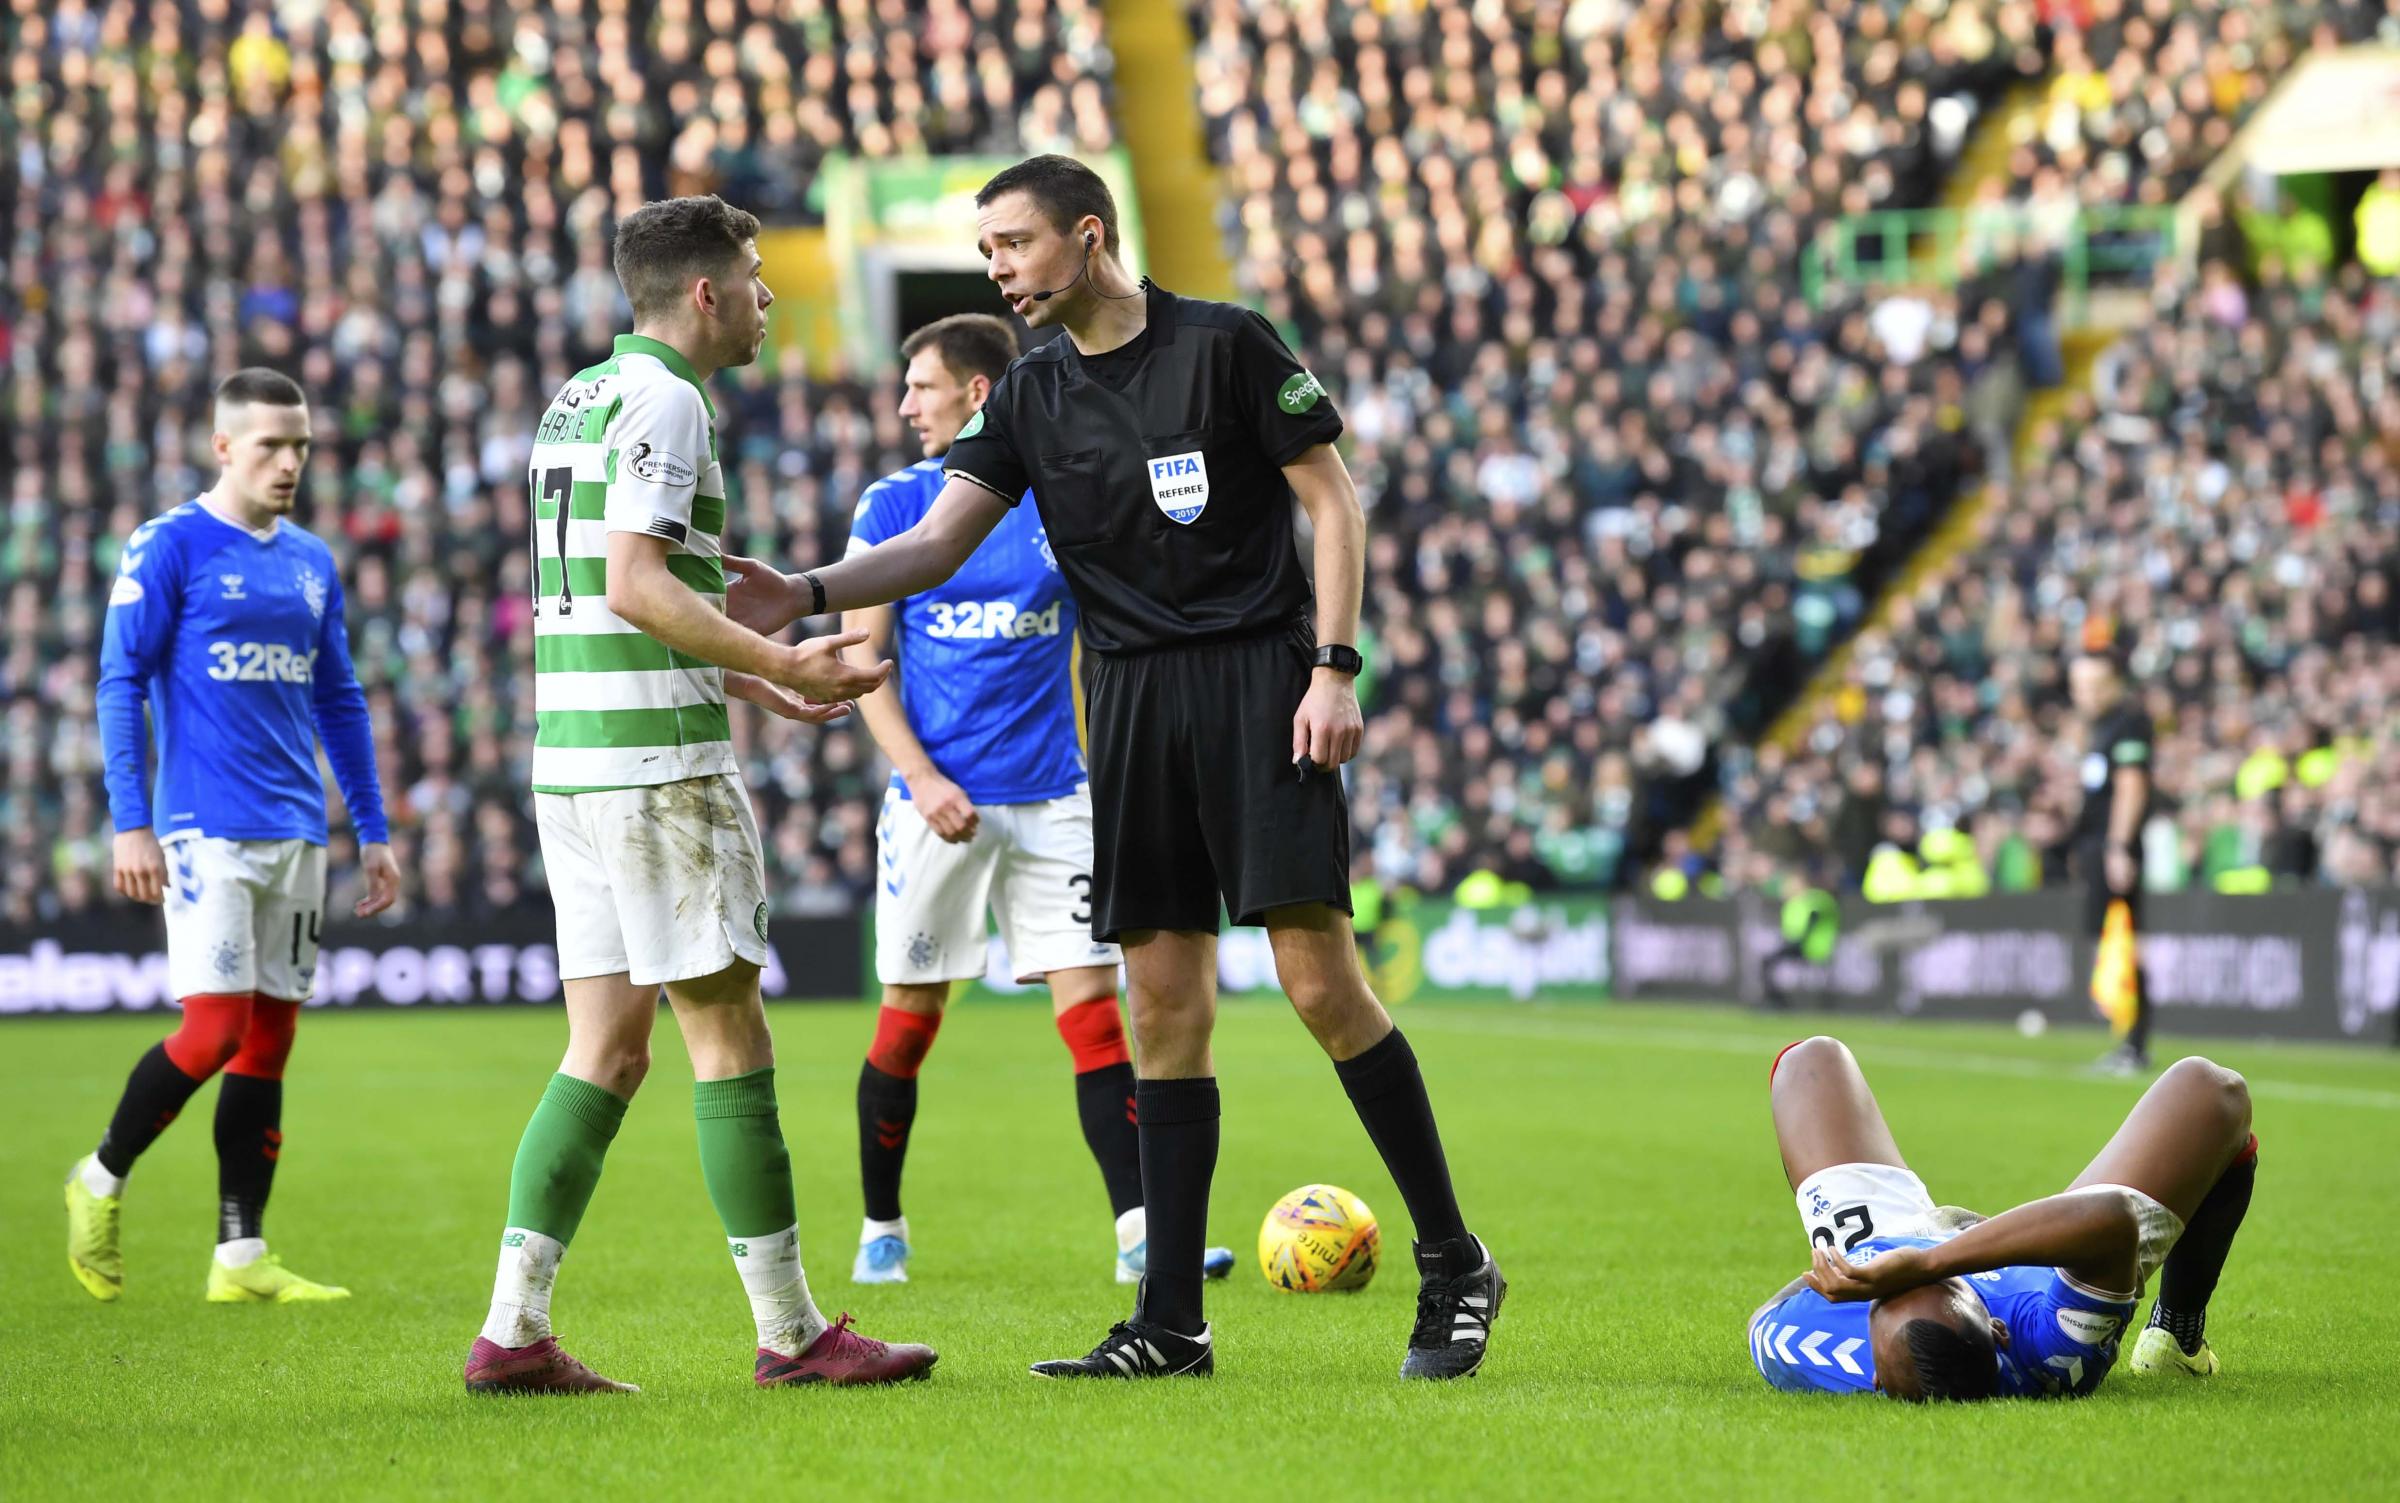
[407, 207]
[1623, 481]
[2224, 510]
[2143, 94]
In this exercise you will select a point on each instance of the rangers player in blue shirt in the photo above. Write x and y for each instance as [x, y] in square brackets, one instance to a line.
[988, 807]
[226, 622]
[1921, 1301]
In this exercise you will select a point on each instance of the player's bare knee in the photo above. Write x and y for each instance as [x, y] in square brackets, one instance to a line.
[925, 1001]
[618, 1070]
[2224, 1091]
[1811, 1058]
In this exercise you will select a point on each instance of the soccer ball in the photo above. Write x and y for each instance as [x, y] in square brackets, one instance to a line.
[1318, 1239]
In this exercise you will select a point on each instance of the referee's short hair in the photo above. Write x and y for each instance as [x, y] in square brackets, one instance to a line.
[256, 385]
[661, 247]
[1064, 188]
[970, 344]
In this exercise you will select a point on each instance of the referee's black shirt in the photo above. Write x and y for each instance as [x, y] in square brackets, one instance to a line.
[1158, 469]
[2120, 738]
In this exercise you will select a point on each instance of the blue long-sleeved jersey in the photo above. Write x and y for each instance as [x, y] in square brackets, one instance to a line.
[236, 642]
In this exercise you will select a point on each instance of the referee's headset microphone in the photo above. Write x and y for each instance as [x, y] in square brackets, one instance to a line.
[1089, 240]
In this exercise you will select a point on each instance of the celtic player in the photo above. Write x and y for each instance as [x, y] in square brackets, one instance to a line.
[647, 832]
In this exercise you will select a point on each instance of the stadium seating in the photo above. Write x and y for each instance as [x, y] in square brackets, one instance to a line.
[1626, 483]
[2223, 506]
[1623, 481]
[406, 205]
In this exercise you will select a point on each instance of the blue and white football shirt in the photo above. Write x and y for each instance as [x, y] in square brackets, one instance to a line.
[2062, 1337]
[984, 656]
[235, 642]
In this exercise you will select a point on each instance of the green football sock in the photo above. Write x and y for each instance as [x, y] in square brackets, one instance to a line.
[749, 1172]
[558, 1160]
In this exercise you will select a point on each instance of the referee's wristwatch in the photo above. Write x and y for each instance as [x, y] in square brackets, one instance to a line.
[1340, 658]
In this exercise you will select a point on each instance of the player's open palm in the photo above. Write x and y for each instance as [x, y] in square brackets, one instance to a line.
[777, 700]
[141, 866]
[1328, 728]
[945, 807]
[816, 670]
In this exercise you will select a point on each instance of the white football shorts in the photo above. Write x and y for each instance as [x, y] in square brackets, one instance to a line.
[242, 915]
[663, 883]
[1030, 865]
[1843, 1205]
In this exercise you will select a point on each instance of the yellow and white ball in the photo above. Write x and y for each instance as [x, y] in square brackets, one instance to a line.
[1318, 1239]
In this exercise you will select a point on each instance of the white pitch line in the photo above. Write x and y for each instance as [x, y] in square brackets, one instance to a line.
[1886, 1056]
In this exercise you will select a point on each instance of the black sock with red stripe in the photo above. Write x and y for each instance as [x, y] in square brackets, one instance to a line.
[887, 1110]
[249, 1141]
[154, 1096]
[2189, 1278]
[1104, 1101]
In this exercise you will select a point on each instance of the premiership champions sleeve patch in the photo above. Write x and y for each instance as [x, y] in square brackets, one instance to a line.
[656, 465]
[1300, 393]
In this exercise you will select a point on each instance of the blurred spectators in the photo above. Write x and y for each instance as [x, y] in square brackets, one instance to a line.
[406, 204]
[2227, 501]
[1624, 483]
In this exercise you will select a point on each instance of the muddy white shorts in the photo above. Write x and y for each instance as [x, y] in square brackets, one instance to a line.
[242, 916]
[663, 883]
[1030, 865]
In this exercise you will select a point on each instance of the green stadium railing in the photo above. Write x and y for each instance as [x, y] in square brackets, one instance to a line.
[2099, 248]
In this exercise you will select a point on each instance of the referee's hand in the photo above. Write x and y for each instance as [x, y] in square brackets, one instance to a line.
[764, 599]
[815, 670]
[1327, 728]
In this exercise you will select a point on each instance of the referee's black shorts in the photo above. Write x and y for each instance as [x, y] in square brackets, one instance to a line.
[1195, 802]
[2090, 864]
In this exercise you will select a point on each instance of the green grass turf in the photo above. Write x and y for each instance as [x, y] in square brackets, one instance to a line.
[1618, 1159]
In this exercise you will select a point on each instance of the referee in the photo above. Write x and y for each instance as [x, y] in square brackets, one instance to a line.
[2105, 845]
[1165, 440]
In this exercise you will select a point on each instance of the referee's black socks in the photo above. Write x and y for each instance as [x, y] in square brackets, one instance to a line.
[1388, 1090]
[1178, 1120]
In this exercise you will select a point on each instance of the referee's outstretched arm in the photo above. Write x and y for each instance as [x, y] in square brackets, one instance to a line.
[1327, 727]
[962, 516]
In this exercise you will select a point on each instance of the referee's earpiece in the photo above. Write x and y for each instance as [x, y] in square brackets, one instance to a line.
[1087, 240]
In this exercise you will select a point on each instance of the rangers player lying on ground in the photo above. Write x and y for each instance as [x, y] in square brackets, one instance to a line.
[1932, 1302]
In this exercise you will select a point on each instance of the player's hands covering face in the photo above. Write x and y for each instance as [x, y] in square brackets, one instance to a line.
[1327, 728]
[1893, 1271]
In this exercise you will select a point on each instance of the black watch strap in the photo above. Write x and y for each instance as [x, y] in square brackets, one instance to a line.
[1341, 658]
[816, 590]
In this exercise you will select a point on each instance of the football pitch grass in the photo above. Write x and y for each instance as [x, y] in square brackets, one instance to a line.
[1618, 1159]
